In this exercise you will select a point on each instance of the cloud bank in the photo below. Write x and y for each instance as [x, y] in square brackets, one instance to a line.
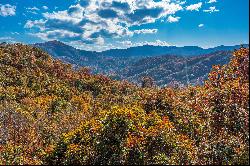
[90, 21]
[97, 21]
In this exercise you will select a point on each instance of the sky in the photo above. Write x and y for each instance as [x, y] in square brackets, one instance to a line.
[105, 24]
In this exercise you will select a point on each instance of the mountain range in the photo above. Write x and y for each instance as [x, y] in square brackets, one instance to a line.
[165, 64]
[60, 49]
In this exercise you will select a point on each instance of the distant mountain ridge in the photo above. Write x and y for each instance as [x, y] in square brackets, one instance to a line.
[144, 51]
[163, 63]
[149, 50]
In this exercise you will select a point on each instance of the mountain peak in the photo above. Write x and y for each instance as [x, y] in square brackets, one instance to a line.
[52, 43]
[55, 42]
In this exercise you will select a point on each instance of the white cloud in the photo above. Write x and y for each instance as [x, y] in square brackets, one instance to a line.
[33, 12]
[8, 39]
[158, 43]
[211, 1]
[15, 33]
[173, 19]
[5, 38]
[100, 41]
[74, 14]
[128, 43]
[194, 7]
[181, 2]
[201, 25]
[35, 24]
[32, 8]
[45, 8]
[211, 10]
[56, 34]
[7, 10]
[87, 47]
[144, 31]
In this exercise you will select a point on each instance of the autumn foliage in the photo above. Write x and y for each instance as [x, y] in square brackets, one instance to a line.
[53, 114]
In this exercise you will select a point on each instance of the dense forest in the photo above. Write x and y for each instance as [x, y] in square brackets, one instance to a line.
[51, 113]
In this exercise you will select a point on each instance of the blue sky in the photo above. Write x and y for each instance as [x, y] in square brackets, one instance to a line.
[104, 24]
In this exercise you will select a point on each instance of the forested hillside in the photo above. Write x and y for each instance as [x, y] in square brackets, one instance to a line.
[51, 113]
[96, 61]
[169, 69]
[165, 64]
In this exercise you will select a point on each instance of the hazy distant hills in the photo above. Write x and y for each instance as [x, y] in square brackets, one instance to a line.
[188, 64]
[61, 49]
[148, 50]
